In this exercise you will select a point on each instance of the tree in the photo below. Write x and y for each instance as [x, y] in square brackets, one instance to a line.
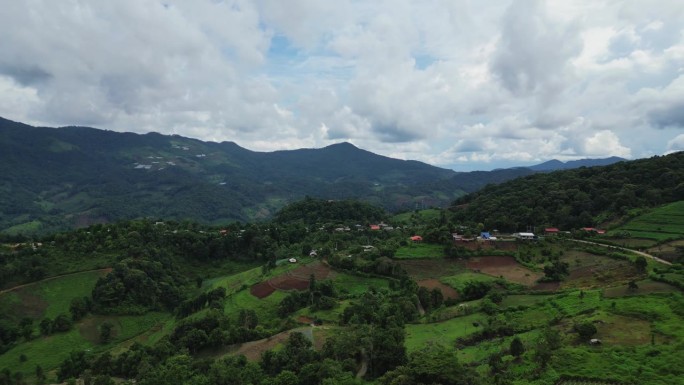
[640, 263]
[106, 332]
[632, 285]
[517, 348]
[585, 330]
[40, 375]
[45, 326]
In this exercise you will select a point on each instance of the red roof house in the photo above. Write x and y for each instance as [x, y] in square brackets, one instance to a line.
[375, 227]
[416, 238]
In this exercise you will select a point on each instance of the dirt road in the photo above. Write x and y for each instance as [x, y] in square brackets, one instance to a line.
[626, 249]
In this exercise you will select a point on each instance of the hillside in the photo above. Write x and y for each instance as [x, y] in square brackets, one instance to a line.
[179, 302]
[75, 176]
[571, 199]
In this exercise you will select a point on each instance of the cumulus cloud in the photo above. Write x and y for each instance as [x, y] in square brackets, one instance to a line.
[459, 84]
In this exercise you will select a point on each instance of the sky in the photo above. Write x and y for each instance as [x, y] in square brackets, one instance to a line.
[467, 85]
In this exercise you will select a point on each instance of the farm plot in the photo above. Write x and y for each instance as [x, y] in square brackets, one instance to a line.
[504, 267]
[432, 268]
[420, 251]
[446, 332]
[50, 297]
[592, 271]
[296, 279]
[447, 291]
[666, 222]
[646, 286]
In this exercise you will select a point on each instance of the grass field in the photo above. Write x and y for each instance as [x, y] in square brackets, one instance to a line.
[446, 332]
[49, 298]
[49, 352]
[662, 223]
[355, 285]
[265, 308]
[420, 251]
[428, 214]
[458, 281]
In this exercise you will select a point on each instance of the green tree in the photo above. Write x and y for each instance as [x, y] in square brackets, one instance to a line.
[641, 264]
[106, 329]
[585, 330]
[517, 348]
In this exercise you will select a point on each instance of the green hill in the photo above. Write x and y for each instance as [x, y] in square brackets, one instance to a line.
[75, 176]
[576, 198]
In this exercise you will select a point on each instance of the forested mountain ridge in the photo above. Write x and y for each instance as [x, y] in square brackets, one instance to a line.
[74, 176]
[59, 178]
[576, 198]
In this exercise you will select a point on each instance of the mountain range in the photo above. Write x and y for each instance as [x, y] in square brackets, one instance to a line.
[57, 178]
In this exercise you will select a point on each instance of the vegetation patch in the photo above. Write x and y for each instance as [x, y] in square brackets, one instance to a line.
[504, 267]
[646, 286]
[432, 268]
[447, 291]
[420, 251]
[446, 332]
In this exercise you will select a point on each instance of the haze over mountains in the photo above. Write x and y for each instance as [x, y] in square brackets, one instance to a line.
[75, 176]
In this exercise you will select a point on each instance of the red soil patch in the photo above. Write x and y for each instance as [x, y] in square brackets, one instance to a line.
[297, 279]
[506, 267]
[447, 291]
[302, 319]
[289, 283]
[262, 290]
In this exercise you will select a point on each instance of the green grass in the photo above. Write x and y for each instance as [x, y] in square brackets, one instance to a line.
[665, 222]
[49, 352]
[49, 298]
[428, 214]
[458, 281]
[420, 335]
[265, 308]
[24, 228]
[420, 251]
[523, 300]
[60, 291]
[356, 285]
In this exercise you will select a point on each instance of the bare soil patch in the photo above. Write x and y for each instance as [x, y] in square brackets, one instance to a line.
[546, 286]
[447, 291]
[506, 267]
[262, 289]
[254, 349]
[297, 279]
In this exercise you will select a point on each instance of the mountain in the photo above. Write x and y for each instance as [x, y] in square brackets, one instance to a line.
[56, 178]
[554, 164]
[576, 198]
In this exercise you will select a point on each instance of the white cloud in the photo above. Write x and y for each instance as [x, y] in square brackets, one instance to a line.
[455, 83]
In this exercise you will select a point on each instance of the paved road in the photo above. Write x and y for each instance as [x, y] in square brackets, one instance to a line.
[626, 249]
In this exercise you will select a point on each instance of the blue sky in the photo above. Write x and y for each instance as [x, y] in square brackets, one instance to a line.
[459, 84]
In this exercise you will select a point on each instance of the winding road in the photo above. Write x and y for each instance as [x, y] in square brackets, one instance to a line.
[625, 249]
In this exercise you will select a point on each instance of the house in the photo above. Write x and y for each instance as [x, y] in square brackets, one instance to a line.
[367, 247]
[375, 227]
[313, 253]
[551, 231]
[417, 238]
[485, 235]
[292, 260]
[457, 237]
[595, 341]
[525, 236]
